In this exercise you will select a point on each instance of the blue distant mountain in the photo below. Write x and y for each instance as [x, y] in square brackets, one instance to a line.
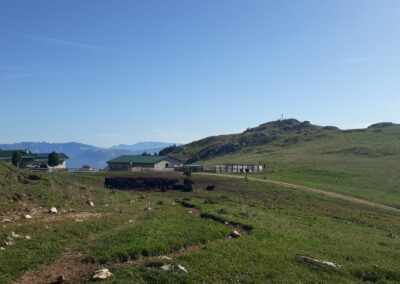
[83, 154]
[144, 146]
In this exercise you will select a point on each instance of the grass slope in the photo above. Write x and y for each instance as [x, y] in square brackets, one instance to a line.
[285, 224]
[364, 163]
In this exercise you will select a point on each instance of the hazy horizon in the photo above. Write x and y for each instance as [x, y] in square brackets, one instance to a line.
[360, 126]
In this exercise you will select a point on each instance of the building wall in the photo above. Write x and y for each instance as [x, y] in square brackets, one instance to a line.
[160, 166]
[63, 165]
[119, 167]
[167, 163]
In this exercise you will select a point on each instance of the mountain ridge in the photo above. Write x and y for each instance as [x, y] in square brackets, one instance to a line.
[281, 133]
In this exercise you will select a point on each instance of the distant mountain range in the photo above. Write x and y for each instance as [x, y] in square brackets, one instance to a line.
[81, 154]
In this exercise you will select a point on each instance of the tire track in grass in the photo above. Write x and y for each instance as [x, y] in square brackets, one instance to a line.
[69, 265]
[310, 189]
[72, 267]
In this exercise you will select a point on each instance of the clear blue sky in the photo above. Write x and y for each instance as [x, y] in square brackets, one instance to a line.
[121, 71]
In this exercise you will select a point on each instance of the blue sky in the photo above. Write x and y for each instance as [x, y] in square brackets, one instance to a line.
[122, 71]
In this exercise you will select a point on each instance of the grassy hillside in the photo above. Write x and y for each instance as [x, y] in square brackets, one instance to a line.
[279, 228]
[363, 163]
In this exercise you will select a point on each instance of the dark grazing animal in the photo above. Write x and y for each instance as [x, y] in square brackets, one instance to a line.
[210, 187]
[125, 183]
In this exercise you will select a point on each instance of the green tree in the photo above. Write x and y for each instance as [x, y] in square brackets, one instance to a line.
[146, 154]
[54, 159]
[16, 159]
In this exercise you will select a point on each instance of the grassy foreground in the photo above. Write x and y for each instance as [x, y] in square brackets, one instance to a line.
[286, 225]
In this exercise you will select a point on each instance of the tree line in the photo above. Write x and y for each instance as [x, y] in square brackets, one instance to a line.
[53, 159]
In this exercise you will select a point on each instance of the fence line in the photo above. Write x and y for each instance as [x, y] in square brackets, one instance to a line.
[231, 168]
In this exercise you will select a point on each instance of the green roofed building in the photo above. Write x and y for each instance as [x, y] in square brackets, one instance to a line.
[139, 163]
[34, 160]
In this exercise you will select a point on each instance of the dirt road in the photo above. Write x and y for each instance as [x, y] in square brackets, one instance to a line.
[315, 190]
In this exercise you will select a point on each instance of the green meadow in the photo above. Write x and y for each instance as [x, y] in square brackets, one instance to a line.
[129, 232]
[364, 163]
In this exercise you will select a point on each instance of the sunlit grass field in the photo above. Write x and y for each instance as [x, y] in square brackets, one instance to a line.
[123, 235]
[364, 163]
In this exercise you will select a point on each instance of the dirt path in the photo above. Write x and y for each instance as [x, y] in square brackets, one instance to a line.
[73, 269]
[70, 264]
[314, 190]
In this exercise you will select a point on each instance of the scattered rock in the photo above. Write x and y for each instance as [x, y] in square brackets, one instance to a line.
[2, 248]
[130, 221]
[27, 216]
[60, 279]
[78, 220]
[14, 235]
[148, 208]
[7, 221]
[28, 237]
[235, 234]
[165, 257]
[182, 268]
[91, 203]
[102, 274]
[190, 212]
[173, 204]
[320, 262]
[167, 267]
[226, 223]
[9, 244]
[53, 210]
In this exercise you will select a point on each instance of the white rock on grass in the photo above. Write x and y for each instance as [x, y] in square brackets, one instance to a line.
[235, 234]
[27, 237]
[102, 274]
[91, 203]
[321, 262]
[27, 216]
[167, 267]
[182, 268]
[53, 210]
[14, 235]
[165, 257]
[9, 244]
[7, 220]
[2, 248]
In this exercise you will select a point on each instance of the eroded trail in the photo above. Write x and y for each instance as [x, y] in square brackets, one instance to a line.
[73, 269]
[314, 190]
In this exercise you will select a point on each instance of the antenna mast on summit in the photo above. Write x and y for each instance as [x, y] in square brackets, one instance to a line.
[281, 117]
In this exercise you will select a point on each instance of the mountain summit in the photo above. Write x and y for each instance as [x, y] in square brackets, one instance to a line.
[274, 135]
